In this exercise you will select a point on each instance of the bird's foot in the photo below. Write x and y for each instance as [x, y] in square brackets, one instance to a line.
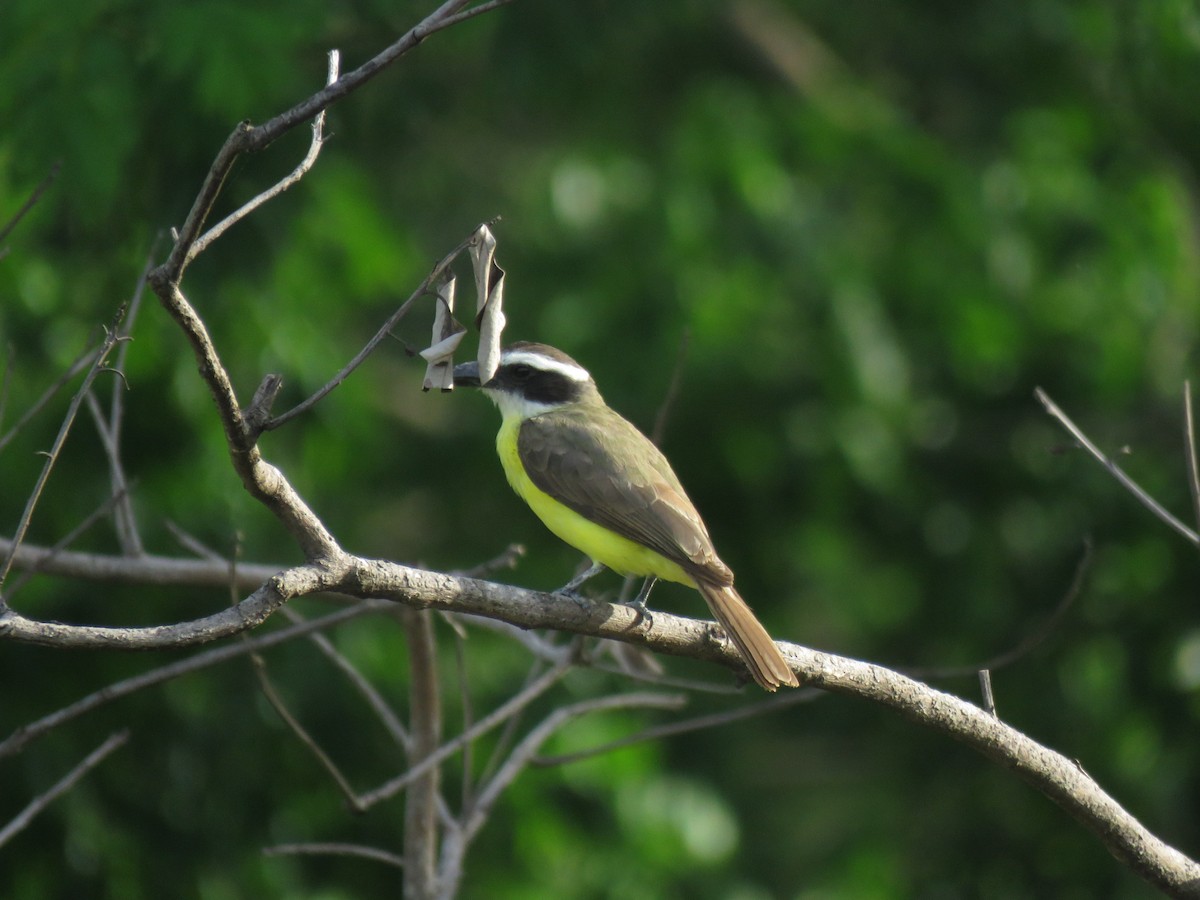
[571, 588]
[638, 603]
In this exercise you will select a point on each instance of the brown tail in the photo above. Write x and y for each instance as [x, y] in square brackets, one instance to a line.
[762, 657]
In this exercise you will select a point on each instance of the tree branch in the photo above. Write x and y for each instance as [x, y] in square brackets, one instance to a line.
[21, 737]
[93, 759]
[314, 149]
[1116, 471]
[249, 138]
[1057, 777]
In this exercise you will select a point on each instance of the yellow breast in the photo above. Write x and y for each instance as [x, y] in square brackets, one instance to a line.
[601, 544]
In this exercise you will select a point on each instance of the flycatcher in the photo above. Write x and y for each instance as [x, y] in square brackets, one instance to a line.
[604, 488]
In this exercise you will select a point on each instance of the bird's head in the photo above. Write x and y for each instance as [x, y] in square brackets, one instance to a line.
[532, 379]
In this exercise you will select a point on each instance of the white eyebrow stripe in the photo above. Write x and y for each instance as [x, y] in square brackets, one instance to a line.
[545, 363]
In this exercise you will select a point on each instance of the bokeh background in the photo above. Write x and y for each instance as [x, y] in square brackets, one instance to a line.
[875, 229]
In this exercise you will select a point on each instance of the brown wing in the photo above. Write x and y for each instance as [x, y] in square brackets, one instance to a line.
[567, 454]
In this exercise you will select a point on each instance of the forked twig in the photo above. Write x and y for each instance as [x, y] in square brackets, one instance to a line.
[501, 714]
[314, 149]
[109, 342]
[525, 751]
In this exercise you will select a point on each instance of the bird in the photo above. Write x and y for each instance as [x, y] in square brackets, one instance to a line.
[603, 487]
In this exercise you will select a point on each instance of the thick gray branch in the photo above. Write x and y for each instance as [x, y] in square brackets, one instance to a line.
[1059, 778]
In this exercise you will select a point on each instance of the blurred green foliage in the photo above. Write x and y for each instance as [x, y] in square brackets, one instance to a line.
[878, 234]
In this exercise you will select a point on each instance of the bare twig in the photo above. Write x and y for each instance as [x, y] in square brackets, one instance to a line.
[85, 360]
[1189, 439]
[147, 569]
[1028, 643]
[276, 701]
[21, 737]
[375, 700]
[5, 383]
[499, 715]
[425, 727]
[68, 781]
[697, 723]
[468, 714]
[508, 735]
[422, 289]
[525, 751]
[126, 521]
[356, 850]
[262, 481]
[314, 149]
[29, 204]
[473, 12]
[127, 531]
[985, 688]
[69, 538]
[673, 386]
[459, 839]
[249, 138]
[1116, 471]
[52, 457]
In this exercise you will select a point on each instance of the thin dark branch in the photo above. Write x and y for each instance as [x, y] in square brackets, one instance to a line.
[422, 290]
[508, 736]
[1116, 471]
[5, 384]
[1028, 643]
[264, 482]
[126, 520]
[52, 457]
[68, 781]
[1189, 439]
[29, 571]
[697, 723]
[459, 838]
[148, 569]
[501, 714]
[126, 523]
[673, 386]
[29, 204]
[333, 849]
[525, 751]
[375, 700]
[301, 733]
[85, 360]
[21, 737]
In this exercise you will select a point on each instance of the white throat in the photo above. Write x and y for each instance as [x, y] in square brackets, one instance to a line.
[514, 406]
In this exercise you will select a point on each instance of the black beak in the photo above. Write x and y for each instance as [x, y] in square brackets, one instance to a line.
[466, 374]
